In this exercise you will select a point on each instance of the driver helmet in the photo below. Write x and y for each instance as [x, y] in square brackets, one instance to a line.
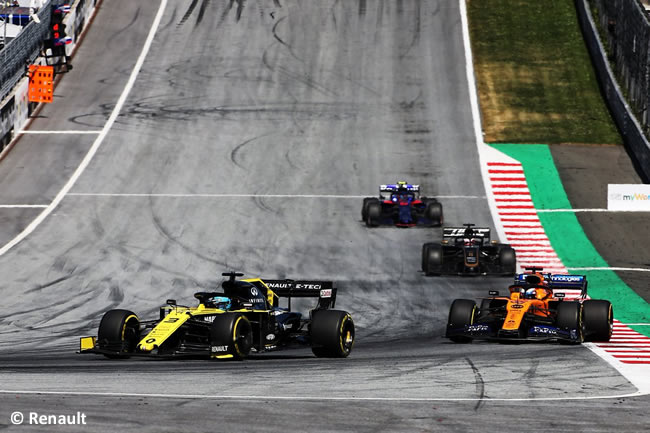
[530, 293]
[221, 302]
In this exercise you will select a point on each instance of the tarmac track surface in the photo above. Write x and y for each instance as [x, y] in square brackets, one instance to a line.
[236, 104]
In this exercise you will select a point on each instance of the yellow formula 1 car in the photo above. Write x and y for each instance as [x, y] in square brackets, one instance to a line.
[245, 317]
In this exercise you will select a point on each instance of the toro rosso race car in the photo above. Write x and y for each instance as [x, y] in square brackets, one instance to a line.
[400, 204]
[534, 310]
[468, 251]
[245, 317]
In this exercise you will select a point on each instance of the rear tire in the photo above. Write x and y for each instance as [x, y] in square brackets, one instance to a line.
[364, 208]
[231, 334]
[432, 259]
[433, 212]
[598, 320]
[508, 260]
[461, 313]
[374, 213]
[119, 331]
[332, 333]
[569, 316]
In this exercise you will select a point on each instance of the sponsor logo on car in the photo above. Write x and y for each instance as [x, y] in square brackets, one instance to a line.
[567, 278]
[478, 328]
[544, 330]
[216, 349]
[326, 293]
[517, 306]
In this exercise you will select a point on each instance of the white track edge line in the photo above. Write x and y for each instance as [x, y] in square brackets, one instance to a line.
[476, 120]
[100, 138]
[608, 268]
[318, 398]
[29, 131]
[172, 195]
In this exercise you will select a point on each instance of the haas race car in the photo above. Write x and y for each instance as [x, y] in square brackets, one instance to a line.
[534, 310]
[468, 251]
[400, 205]
[245, 317]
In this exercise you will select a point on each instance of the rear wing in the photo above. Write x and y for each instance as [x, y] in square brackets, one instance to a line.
[395, 188]
[323, 290]
[457, 232]
[560, 281]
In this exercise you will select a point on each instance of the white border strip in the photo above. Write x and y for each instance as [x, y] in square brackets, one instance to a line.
[610, 269]
[100, 138]
[314, 398]
[22, 206]
[587, 210]
[85, 194]
[27, 131]
[476, 119]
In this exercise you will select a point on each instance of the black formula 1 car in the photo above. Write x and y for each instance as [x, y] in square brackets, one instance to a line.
[468, 251]
[534, 310]
[400, 205]
[245, 317]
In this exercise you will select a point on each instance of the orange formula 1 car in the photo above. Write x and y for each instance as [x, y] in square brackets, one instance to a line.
[534, 310]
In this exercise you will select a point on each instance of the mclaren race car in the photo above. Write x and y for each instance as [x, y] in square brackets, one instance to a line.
[245, 317]
[468, 251]
[534, 310]
[400, 204]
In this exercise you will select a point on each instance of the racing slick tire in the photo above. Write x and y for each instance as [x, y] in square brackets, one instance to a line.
[508, 260]
[332, 333]
[364, 208]
[432, 259]
[373, 213]
[231, 336]
[119, 332]
[598, 320]
[569, 316]
[433, 211]
[461, 313]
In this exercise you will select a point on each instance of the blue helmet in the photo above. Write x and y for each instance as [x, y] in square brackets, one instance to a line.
[530, 294]
[221, 302]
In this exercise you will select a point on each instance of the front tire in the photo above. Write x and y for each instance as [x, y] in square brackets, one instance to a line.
[462, 313]
[231, 335]
[119, 332]
[569, 317]
[332, 333]
[598, 320]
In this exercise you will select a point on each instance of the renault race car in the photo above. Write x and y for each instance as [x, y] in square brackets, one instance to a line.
[400, 204]
[245, 317]
[534, 310]
[468, 251]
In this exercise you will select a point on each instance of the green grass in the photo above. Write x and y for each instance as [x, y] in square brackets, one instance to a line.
[536, 82]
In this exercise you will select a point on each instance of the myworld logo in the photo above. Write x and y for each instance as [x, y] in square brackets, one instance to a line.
[638, 196]
[628, 197]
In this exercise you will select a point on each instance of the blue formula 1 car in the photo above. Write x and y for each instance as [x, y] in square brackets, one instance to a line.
[400, 205]
[535, 309]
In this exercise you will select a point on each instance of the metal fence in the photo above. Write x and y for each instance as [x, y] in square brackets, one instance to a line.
[22, 50]
[625, 29]
[635, 81]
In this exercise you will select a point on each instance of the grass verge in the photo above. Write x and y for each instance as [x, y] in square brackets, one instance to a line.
[535, 79]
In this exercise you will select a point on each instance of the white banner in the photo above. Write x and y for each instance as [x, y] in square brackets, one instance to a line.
[633, 197]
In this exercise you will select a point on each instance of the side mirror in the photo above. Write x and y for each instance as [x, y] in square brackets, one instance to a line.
[493, 293]
[171, 302]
